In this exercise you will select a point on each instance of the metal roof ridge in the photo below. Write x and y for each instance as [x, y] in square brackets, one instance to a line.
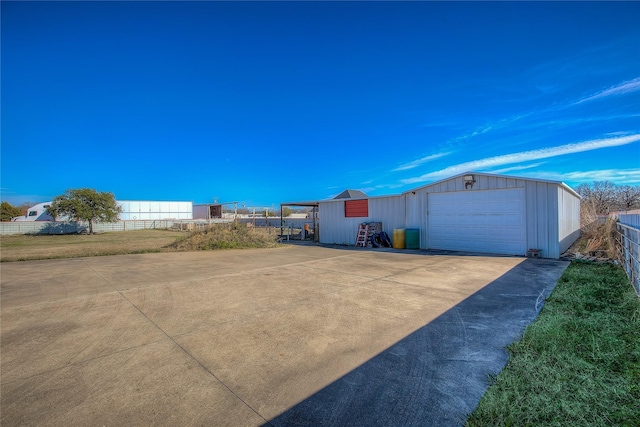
[549, 181]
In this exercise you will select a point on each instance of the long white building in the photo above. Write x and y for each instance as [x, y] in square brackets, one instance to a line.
[131, 210]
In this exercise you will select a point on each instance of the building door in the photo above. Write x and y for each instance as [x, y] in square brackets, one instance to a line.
[490, 221]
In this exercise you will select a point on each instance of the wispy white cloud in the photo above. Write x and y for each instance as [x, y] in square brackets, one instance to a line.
[525, 156]
[517, 168]
[619, 89]
[477, 131]
[489, 127]
[619, 176]
[420, 161]
[375, 188]
[623, 88]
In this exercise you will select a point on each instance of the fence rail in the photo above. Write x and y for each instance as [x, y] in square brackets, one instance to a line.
[70, 227]
[629, 245]
[628, 218]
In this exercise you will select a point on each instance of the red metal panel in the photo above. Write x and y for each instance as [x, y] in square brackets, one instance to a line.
[356, 208]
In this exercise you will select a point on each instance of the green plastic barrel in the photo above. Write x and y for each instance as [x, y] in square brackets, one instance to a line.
[398, 238]
[412, 238]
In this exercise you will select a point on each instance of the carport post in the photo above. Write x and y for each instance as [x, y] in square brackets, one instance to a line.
[316, 231]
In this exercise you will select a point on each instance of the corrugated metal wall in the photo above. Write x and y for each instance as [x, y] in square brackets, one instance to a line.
[631, 218]
[569, 214]
[335, 228]
[552, 212]
[417, 214]
[541, 213]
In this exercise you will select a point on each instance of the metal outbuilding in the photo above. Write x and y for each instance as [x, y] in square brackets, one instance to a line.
[476, 212]
[207, 211]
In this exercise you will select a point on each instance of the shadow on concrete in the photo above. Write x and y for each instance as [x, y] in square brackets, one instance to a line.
[437, 375]
[430, 252]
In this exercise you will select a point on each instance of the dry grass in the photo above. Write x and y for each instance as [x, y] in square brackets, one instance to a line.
[30, 247]
[218, 236]
[598, 235]
[227, 236]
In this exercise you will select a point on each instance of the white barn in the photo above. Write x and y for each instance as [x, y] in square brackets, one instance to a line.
[476, 212]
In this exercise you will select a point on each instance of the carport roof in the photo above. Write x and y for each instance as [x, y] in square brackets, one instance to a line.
[308, 204]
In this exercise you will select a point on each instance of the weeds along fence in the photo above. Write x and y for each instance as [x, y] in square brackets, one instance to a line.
[628, 227]
[77, 227]
[73, 227]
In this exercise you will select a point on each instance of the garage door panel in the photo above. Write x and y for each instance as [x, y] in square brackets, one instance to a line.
[490, 221]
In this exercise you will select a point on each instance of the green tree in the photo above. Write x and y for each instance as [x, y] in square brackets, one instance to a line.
[286, 211]
[8, 211]
[85, 204]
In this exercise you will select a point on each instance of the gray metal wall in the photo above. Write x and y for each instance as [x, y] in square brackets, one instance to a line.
[542, 208]
[552, 212]
[631, 218]
[336, 229]
[569, 214]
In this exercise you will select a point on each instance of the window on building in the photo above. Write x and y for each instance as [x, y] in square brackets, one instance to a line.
[356, 208]
[33, 213]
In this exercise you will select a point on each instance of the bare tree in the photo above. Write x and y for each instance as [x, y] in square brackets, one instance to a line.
[600, 196]
[604, 197]
[627, 198]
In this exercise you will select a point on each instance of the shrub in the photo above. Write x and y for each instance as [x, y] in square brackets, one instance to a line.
[225, 236]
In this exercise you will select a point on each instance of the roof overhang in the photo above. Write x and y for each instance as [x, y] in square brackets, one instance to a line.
[306, 204]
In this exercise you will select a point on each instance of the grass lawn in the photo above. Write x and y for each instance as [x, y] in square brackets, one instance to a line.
[29, 247]
[217, 236]
[578, 364]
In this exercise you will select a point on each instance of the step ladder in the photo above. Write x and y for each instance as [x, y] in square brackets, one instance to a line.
[362, 238]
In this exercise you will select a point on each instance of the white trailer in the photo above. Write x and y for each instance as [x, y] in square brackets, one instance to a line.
[36, 213]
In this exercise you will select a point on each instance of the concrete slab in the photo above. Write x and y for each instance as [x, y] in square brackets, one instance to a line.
[301, 335]
[437, 374]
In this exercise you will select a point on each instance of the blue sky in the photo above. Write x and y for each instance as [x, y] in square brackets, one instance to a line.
[269, 102]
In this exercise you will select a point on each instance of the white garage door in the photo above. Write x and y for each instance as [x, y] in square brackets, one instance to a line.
[491, 221]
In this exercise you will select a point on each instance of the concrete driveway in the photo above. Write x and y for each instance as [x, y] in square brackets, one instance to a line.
[300, 335]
